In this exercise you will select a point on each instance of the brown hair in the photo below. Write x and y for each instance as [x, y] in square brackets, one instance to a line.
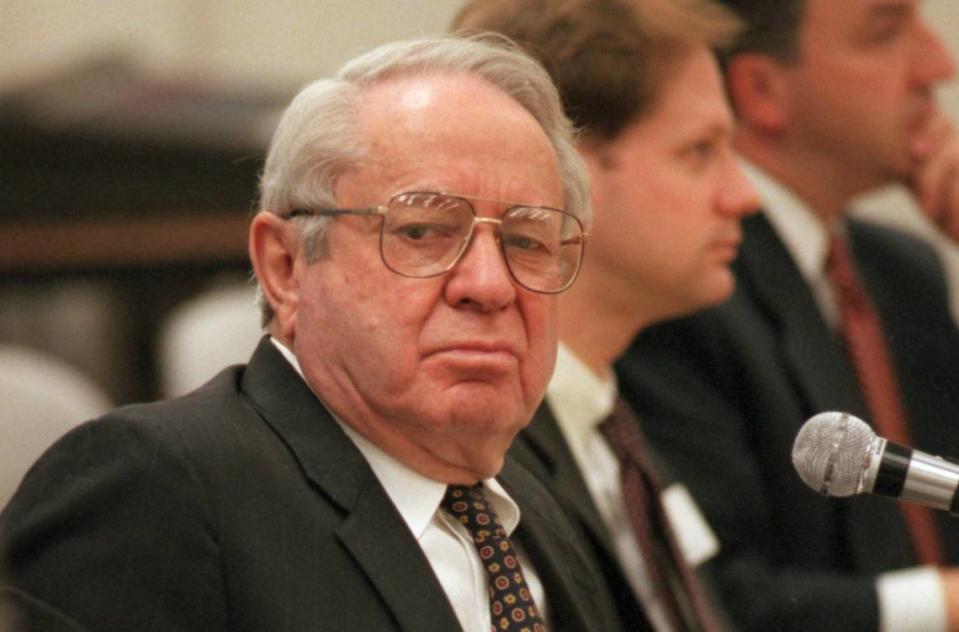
[607, 57]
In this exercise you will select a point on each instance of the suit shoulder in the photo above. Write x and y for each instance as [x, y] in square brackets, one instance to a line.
[201, 422]
[901, 270]
[869, 230]
[219, 394]
[892, 248]
[149, 444]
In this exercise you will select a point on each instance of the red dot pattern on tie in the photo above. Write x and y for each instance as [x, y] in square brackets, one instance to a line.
[512, 608]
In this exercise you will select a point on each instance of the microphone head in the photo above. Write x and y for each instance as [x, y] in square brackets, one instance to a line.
[831, 452]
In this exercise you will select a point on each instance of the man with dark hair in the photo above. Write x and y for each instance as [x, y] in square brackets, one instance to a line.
[834, 99]
[642, 83]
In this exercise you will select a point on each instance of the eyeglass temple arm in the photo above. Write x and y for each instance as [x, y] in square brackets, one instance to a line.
[581, 239]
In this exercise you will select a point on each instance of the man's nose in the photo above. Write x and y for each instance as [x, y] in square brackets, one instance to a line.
[738, 197]
[481, 278]
[932, 62]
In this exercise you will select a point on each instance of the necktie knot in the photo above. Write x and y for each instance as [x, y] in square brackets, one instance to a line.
[622, 433]
[842, 273]
[468, 504]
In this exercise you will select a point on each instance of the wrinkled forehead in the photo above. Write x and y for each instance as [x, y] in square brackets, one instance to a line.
[456, 133]
[444, 110]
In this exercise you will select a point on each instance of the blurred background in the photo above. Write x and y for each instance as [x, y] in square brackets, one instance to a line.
[131, 134]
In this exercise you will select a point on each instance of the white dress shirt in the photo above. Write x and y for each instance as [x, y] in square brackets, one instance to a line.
[911, 600]
[445, 542]
[580, 401]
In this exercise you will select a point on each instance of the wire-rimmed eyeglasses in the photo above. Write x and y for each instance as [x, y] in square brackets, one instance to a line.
[424, 234]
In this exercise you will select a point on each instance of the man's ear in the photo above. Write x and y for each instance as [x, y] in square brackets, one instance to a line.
[274, 247]
[757, 90]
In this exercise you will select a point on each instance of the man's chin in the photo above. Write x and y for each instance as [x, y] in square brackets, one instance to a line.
[475, 461]
[482, 400]
[715, 290]
[495, 423]
[488, 467]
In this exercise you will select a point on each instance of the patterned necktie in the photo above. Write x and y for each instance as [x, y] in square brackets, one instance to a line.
[866, 347]
[686, 602]
[511, 605]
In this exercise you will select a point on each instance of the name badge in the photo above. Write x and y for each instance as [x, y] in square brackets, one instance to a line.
[696, 539]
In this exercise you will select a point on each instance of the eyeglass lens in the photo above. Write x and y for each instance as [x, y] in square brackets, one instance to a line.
[424, 234]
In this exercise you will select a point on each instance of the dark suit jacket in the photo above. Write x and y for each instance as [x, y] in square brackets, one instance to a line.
[543, 450]
[20, 612]
[724, 393]
[243, 506]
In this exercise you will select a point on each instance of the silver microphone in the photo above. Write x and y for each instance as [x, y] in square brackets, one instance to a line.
[839, 455]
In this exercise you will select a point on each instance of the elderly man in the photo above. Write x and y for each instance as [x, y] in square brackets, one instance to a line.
[831, 313]
[419, 213]
[642, 82]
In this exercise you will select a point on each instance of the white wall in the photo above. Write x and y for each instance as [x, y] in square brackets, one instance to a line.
[277, 44]
[944, 17]
[284, 43]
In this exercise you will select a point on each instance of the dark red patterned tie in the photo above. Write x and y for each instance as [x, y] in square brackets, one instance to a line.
[512, 608]
[866, 347]
[686, 605]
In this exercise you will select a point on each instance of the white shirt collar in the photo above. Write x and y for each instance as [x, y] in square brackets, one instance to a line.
[579, 399]
[804, 236]
[416, 497]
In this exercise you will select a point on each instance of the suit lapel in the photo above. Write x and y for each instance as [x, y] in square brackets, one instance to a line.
[565, 481]
[556, 557]
[814, 359]
[392, 560]
[372, 531]
[542, 450]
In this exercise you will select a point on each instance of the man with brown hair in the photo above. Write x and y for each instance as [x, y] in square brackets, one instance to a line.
[641, 82]
[835, 98]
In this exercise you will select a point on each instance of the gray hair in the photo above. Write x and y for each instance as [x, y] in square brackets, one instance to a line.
[318, 137]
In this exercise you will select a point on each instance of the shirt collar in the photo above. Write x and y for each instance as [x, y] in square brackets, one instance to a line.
[579, 399]
[804, 236]
[416, 497]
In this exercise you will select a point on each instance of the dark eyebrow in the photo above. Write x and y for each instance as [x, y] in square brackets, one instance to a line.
[714, 130]
[884, 18]
[892, 10]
